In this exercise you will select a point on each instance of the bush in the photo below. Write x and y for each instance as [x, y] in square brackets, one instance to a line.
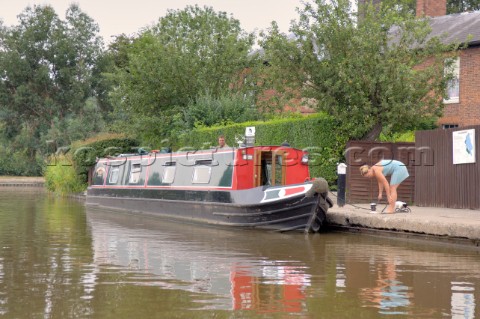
[68, 173]
[17, 162]
[61, 176]
[398, 137]
[207, 110]
[85, 153]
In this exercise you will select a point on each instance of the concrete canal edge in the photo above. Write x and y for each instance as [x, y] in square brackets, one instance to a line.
[21, 181]
[454, 225]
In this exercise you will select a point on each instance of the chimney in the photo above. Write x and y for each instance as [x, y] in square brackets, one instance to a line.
[431, 8]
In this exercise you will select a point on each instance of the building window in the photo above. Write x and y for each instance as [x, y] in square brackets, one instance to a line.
[445, 126]
[453, 85]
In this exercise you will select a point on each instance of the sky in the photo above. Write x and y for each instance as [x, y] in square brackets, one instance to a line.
[115, 17]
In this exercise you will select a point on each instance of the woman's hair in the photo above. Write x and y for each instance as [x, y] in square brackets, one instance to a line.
[364, 169]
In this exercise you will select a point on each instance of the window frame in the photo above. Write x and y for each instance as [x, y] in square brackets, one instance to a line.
[135, 171]
[453, 83]
[448, 126]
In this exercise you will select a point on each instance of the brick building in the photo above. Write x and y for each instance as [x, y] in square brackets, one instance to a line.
[462, 105]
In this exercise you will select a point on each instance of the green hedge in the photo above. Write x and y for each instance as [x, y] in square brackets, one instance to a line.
[86, 154]
[318, 133]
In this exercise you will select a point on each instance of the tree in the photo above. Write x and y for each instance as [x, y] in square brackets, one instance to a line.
[382, 73]
[186, 54]
[209, 111]
[47, 70]
[453, 6]
[458, 6]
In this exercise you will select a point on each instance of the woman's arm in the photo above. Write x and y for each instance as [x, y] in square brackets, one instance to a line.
[380, 190]
[382, 182]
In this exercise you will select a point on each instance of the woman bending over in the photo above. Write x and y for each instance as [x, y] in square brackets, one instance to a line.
[398, 172]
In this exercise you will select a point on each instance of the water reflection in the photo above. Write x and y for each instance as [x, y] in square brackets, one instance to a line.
[463, 300]
[288, 273]
[200, 260]
[61, 260]
[390, 295]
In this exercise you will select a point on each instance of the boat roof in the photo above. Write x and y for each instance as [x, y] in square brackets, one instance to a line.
[193, 152]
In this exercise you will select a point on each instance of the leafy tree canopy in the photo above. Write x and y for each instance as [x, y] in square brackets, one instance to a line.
[187, 53]
[458, 6]
[453, 6]
[209, 111]
[47, 65]
[382, 73]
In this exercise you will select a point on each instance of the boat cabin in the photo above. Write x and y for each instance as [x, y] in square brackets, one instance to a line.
[230, 168]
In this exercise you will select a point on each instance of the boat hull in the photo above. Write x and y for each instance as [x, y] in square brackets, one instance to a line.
[233, 208]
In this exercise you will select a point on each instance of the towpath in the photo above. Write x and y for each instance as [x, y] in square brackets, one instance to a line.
[456, 225]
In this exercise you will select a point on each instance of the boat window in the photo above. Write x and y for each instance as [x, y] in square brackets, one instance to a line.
[168, 174]
[136, 167]
[201, 174]
[114, 172]
[135, 173]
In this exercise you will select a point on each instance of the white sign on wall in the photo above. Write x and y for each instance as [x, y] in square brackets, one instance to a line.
[250, 136]
[464, 146]
[250, 131]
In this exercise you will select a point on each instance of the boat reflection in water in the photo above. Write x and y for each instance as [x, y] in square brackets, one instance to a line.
[203, 259]
[336, 274]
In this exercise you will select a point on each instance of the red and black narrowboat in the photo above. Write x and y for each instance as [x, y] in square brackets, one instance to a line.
[266, 187]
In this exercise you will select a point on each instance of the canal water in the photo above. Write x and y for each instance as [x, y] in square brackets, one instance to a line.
[59, 259]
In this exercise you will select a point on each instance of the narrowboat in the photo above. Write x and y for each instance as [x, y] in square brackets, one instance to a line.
[265, 187]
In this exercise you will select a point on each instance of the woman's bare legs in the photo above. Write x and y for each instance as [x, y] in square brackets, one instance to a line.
[393, 198]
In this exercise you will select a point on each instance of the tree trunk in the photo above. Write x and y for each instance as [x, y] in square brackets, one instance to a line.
[374, 133]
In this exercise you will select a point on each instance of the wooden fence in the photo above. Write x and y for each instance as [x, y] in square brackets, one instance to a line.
[361, 189]
[438, 181]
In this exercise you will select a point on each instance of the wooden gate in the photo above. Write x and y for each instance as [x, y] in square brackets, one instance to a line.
[439, 182]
